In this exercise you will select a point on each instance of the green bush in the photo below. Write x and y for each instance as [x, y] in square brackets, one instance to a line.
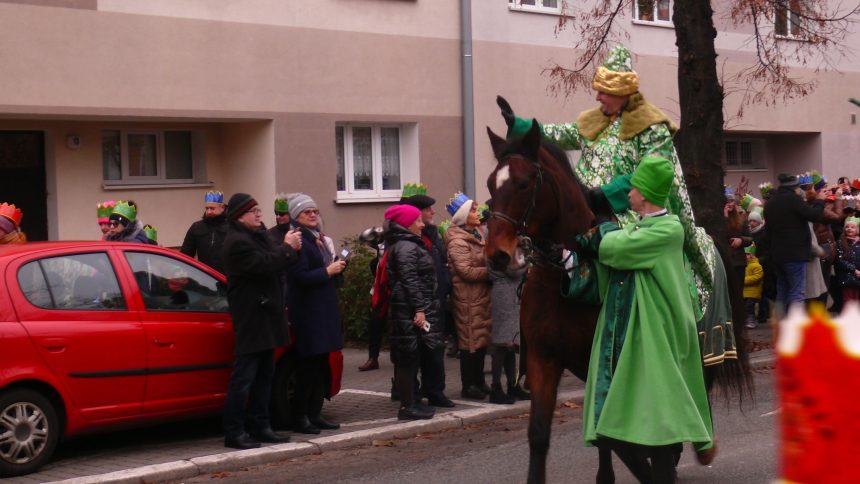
[354, 294]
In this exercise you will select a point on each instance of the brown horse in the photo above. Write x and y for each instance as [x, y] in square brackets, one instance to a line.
[540, 206]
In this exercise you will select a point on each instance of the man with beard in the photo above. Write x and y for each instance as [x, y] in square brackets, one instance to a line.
[205, 237]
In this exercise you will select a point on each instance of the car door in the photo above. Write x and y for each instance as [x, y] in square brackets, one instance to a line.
[189, 333]
[76, 315]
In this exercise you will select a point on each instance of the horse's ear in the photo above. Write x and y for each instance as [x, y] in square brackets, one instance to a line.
[496, 141]
[531, 141]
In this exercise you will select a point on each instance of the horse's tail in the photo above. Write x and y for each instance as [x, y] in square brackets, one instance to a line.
[733, 376]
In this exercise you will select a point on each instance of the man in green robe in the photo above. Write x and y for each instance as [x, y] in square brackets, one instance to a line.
[645, 382]
[613, 139]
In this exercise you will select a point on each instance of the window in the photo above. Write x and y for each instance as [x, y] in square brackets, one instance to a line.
[149, 157]
[167, 284]
[656, 11]
[548, 6]
[787, 22]
[744, 154]
[373, 160]
[81, 282]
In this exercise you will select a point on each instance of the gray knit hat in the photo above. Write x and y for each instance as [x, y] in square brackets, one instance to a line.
[299, 202]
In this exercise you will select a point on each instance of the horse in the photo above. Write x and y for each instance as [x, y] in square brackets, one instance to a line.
[540, 206]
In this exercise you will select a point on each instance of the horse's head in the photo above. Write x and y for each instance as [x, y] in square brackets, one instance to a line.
[534, 195]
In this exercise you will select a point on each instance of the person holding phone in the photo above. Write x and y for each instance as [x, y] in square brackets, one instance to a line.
[314, 314]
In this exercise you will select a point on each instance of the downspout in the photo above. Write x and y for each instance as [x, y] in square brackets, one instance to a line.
[468, 108]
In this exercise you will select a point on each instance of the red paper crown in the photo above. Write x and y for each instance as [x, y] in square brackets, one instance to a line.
[11, 212]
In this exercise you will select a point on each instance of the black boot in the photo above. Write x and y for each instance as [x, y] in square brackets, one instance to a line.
[269, 437]
[498, 396]
[322, 423]
[241, 442]
[413, 412]
[304, 426]
[517, 392]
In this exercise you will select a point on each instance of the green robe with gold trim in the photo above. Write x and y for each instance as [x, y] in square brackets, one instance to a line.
[645, 382]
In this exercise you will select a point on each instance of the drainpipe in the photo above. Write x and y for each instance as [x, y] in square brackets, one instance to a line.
[468, 108]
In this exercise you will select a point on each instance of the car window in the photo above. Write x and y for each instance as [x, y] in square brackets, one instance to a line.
[168, 284]
[78, 281]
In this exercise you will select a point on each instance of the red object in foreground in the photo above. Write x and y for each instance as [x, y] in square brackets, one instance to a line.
[819, 383]
[97, 335]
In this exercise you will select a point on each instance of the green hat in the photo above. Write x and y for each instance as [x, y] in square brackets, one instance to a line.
[750, 249]
[520, 127]
[151, 232]
[411, 189]
[281, 203]
[124, 210]
[854, 220]
[616, 193]
[653, 178]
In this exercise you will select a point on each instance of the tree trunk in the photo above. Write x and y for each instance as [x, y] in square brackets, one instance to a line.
[699, 141]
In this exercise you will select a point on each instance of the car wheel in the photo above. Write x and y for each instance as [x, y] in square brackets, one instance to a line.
[283, 392]
[29, 431]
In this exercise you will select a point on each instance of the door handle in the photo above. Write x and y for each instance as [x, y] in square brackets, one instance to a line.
[55, 345]
[159, 342]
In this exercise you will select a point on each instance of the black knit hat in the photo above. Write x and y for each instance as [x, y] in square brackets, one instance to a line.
[418, 201]
[239, 204]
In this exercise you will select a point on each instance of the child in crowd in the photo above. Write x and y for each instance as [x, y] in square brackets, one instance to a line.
[848, 252]
[753, 281]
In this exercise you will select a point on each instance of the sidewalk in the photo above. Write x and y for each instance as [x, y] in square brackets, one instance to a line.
[363, 408]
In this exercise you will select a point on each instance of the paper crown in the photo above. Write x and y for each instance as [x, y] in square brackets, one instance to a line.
[855, 184]
[854, 220]
[483, 211]
[151, 232]
[103, 210]
[124, 209]
[758, 209]
[729, 191]
[749, 202]
[411, 189]
[443, 227]
[455, 203]
[816, 177]
[213, 196]
[11, 212]
[805, 178]
[282, 205]
[750, 249]
[765, 189]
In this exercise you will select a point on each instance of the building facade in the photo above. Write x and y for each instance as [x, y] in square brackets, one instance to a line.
[159, 101]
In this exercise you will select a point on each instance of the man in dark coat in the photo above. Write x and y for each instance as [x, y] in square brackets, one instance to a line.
[788, 238]
[205, 237]
[433, 355]
[253, 265]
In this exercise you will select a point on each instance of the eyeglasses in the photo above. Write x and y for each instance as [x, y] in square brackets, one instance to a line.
[113, 224]
[281, 214]
[311, 211]
[256, 211]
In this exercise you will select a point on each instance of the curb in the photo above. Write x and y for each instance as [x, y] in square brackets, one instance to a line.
[230, 461]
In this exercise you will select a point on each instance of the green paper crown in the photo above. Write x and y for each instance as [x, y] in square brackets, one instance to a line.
[281, 203]
[123, 208]
[619, 59]
[151, 232]
[103, 209]
[443, 227]
[855, 220]
[816, 177]
[411, 189]
[765, 188]
[750, 249]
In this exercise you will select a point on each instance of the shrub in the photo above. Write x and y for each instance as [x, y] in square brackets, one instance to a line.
[354, 294]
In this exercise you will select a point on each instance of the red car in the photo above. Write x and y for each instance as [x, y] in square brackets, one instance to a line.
[97, 335]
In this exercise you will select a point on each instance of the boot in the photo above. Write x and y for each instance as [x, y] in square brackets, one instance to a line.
[395, 395]
[323, 424]
[413, 412]
[302, 425]
[498, 396]
[518, 392]
[370, 364]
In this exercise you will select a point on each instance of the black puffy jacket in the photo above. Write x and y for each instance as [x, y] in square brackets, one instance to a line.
[412, 278]
[205, 239]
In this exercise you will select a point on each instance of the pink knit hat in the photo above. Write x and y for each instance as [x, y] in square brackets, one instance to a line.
[403, 215]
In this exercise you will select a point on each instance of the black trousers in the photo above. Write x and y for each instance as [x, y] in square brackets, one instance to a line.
[310, 385]
[375, 328]
[251, 382]
[432, 363]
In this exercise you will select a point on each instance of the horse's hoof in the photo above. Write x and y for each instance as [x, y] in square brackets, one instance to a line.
[706, 456]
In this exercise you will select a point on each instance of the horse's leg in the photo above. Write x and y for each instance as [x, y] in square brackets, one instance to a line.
[605, 473]
[543, 377]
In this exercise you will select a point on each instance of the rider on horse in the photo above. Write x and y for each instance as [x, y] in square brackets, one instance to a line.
[613, 139]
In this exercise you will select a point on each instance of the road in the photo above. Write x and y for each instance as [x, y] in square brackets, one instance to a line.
[497, 452]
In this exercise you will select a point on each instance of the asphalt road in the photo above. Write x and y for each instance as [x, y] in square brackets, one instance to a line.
[497, 452]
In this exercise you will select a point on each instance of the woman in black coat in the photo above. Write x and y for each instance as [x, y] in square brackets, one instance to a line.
[314, 314]
[413, 310]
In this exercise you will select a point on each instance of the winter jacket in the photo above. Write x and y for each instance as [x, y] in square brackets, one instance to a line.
[252, 265]
[753, 279]
[434, 243]
[848, 261]
[277, 234]
[762, 251]
[505, 305]
[312, 299]
[205, 239]
[412, 279]
[133, 232]
[471, 288]
[787, 216]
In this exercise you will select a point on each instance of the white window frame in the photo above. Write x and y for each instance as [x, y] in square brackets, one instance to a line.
[759, 158]
[538, 7]
[654, 21]
[788, 23]
[408, 162]
[161, 159]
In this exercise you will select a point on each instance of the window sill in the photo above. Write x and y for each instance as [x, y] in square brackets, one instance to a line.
[371, 199]
[148, 186]
[745, 170]
[540, 10]
[665, 24]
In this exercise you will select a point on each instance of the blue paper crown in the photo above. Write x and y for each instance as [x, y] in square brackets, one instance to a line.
[805, 179]
[455, 203]
[214, 197]
[729, 191]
